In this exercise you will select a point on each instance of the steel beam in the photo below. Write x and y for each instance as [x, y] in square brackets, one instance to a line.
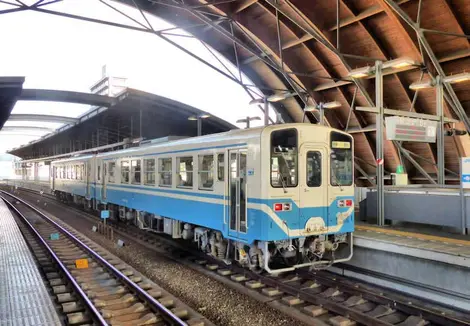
[42, 118]
[66, 96]
[26, 128]
[440, 131]
[416, 164]
[364, 174]
[406, 114]
[357, 130]
[460, 112]
[379, 122]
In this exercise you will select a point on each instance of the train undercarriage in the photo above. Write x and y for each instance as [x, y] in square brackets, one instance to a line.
[316, 252]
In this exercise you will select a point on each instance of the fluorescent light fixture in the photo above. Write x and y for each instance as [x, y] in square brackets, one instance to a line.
[257, 101]
[280, 96]
[422, 85]
[202, 116]
[360, 72]
[399, 63]
[310, 108]
[246, 119]
[453, 79]
[331, 105]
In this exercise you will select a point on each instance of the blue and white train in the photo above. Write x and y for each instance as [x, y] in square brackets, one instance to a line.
[275, 198]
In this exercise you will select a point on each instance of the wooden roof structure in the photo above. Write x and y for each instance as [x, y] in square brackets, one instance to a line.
[308, 47]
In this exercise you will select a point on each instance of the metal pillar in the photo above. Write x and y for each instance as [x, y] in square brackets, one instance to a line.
[440, 132]
[199, 126]
[248, 122]
[140, 123]
[266, 112]
[322, 113]
[379, 122]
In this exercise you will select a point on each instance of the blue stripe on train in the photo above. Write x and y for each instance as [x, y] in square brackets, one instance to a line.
[211, 215]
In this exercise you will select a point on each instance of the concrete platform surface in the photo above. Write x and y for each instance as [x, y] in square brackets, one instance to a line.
[24, 298]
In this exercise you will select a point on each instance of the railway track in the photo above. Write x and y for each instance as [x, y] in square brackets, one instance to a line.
[91, 285]
[317, 298]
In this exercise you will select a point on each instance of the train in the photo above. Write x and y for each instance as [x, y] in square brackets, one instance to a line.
[273, 198]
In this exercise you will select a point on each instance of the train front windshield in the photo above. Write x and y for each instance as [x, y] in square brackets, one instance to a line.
[341, 160]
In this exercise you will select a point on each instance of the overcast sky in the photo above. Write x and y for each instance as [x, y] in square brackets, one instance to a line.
[60, 53]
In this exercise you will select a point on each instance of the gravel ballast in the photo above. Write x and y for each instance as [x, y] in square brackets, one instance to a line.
[220, 304]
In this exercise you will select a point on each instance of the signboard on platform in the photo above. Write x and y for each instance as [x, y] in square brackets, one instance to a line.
[104, 214]
[411, 129]
[465, 174]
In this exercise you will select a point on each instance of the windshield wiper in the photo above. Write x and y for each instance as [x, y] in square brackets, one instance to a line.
[335, 176]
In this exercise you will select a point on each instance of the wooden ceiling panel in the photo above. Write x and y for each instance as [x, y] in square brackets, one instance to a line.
[362, 5]
[391, 38]
[369, 28]
[358, 42]
[461, 12]
[395, 96]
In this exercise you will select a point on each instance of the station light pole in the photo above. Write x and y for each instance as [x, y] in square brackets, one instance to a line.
[377, 72]
[199, 119]
[438, 84]
[270, 99]
[247, 120]
[321, 107]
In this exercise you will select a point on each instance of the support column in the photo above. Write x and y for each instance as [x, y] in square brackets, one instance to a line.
[440, 132]
[379, 142]
[199, 126]
[266, 112]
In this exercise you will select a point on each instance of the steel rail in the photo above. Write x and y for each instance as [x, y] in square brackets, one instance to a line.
[96, 314]
[395, 301]
[157, 305]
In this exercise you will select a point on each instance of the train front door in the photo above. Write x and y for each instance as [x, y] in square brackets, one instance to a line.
[313, 181]
[237, 193]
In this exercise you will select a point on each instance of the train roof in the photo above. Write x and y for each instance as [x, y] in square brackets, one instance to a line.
[233, 136]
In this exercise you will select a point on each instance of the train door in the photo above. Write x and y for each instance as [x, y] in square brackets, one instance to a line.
[313, 188]
[104, 181]
[53, 176]
[237, 192]
[88, 179]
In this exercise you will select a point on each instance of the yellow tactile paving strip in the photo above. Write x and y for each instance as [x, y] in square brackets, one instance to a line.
[418, 236]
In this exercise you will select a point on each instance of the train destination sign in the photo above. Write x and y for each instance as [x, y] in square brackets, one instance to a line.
[410, 129]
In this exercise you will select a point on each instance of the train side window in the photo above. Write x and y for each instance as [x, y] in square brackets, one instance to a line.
[165, 168]
[149, 172]
[69, 171]
[111, 167]
[284, 156]
[124, 171]
[99, 172]
[74, 172]
[220, 167]
[206, 172]
[136, 169]
[314, 169]
[185, 171]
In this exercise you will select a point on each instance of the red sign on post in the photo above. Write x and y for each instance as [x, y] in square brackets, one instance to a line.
[380, 161]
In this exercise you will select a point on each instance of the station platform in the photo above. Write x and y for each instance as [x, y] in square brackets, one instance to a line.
[426, 263]
[24, 298]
